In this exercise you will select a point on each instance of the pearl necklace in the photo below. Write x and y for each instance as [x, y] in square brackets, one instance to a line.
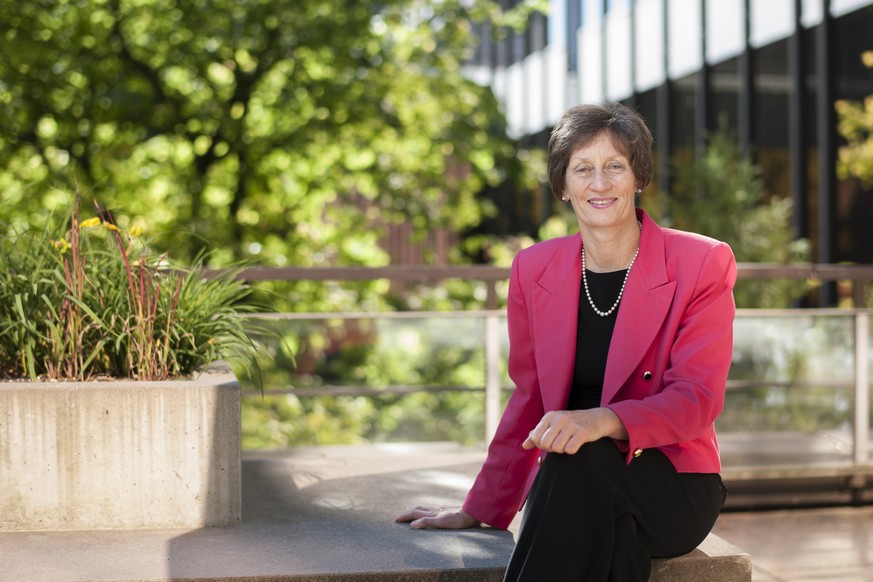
[623, 283]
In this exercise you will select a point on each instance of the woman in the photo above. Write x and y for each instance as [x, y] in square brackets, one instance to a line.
[620, 344]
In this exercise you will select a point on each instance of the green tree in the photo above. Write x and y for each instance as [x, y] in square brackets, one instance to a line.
[284, 130]
[855, 124]
[281, 131]
[722, 195]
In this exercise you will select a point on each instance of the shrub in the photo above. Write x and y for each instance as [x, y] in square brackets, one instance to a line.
[722, 195]
[84, 299]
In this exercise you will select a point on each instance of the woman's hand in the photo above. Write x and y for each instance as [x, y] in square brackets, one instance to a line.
[565, 431]
[424, 517]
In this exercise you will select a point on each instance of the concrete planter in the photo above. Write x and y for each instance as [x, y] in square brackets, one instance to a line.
[120, 454]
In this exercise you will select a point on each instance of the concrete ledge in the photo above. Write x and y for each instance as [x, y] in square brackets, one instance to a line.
[320, 514]
[714, 560]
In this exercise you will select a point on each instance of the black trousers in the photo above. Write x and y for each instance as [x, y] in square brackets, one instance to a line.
[591, 517]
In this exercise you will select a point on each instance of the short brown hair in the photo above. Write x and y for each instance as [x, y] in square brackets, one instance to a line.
[581, 124]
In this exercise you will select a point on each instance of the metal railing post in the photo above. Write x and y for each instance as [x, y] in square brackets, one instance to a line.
[862, 388]
[492, 374]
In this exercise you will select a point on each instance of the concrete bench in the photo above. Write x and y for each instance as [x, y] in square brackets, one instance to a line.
[322, 514]
[714, 560]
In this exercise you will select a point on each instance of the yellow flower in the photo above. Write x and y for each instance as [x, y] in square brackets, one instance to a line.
[109, 226]
[93, 221]
[135, 231]
[62, 245]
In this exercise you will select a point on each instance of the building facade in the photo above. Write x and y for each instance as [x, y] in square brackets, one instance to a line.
[769, 70]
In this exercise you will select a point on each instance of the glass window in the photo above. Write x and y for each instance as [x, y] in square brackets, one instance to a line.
[650, 44]
[682, 108]
[484, 54]
[591, 66]
[519, 46]
[841, 7]
[810, 117]
[557, 22]
[725, 86]
[770, 20]
[574, 21]
[725, 29]
[770, 95]
[811, 13]
[592, 12]
[852, 80]
[684, 37]
[647, 105]
[619, 83]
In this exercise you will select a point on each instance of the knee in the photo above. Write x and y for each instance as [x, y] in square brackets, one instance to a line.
[590, 459]
[600, 452]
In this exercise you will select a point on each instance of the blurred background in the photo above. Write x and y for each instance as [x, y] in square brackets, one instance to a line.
[376, 165]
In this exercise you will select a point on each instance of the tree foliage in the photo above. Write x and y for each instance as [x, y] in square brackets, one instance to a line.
[855, 124]
[284, 130]
[722, 195]
[280, 131]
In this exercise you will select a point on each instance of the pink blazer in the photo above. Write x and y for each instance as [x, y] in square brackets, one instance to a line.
[666, 370]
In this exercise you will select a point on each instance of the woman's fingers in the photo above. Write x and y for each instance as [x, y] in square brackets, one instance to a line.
[546, 432]
[574, 444]
[554, 437]
[560, 432]
[416, 513]
[425, 517]
[441, 521]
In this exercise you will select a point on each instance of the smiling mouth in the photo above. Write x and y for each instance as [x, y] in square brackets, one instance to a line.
[602, 202]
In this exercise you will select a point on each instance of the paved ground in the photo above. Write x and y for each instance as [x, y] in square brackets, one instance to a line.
[804, 544]
[313, 512]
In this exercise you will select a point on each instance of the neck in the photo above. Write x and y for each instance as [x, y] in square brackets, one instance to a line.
[610, 250]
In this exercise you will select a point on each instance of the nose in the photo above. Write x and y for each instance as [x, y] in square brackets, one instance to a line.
[599, 180]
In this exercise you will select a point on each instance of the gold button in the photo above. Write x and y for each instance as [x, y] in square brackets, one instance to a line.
[637, 453]
[647, 375]
[540, 460]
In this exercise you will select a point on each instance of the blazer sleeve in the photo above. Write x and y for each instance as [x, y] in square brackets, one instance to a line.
[497, 491]
[692, 393]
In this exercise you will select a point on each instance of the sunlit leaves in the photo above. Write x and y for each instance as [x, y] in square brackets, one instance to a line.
[287, 130]
[855, 124]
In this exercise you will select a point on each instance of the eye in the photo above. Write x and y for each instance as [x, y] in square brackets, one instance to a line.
[614, 168]
[583, 171]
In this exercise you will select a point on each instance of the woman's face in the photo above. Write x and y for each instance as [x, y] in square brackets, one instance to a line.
[600, 185]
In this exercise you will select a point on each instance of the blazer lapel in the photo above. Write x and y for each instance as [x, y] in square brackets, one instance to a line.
[647, 299]
[555, 305]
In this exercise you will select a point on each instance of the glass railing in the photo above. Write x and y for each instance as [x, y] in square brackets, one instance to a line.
[795, 373]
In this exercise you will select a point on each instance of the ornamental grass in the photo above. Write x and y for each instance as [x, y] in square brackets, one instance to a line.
[82, 299]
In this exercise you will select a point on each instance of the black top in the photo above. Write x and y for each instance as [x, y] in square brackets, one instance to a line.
[592, 338]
